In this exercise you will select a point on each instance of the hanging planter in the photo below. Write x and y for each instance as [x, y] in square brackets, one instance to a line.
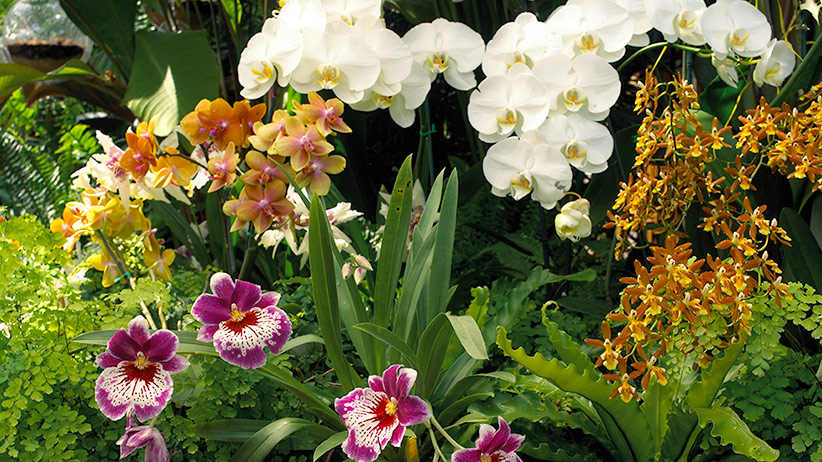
[38, 34]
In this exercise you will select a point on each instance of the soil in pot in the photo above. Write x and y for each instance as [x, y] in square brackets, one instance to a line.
[44, 55]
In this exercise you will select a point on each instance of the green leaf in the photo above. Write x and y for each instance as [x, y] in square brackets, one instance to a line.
[629, 432]
[110, 23]
[14, 76]
[314, 404]
[545, 451]
[391, 339]
[593, 307]
[257, 447]
[802, 75]
[469, 335]
[567, 349]
[656, 405]
[439, 282]
[172, 72]
[324, 283]
[730, 429]
[431, 353]
[216, 230]
[332, 442]
[417, 269]
[458, 407]
[188, 341]
[302, 340]
[804, 254]
[229, 430]
[182, 230]
[392, 248]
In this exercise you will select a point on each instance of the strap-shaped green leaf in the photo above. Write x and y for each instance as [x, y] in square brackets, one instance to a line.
[188, 341]
[391, 339]
[332, 442]
[469, 335]
[324, 283]
[181, 229]
[439, 283]
[302, 340]
[657, 401]
[431, 353]
[314, 404]
[257, 447]
[629, 424]
[730, 429]
[229, 430]
[703, 392]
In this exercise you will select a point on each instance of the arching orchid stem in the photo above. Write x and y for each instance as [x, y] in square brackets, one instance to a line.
[736, 105]
[653, 46]
[444, 433]
[153, 421]
[250, 253]
[293, 182]
[437, 451]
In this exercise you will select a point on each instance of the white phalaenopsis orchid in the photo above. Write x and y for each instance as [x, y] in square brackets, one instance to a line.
[677, 19]
[592, 27]
[525, 40]
[573, 221]
[587, 145]
[307, 16]
[775, 65]
[351, 11]
[503, 104]
[586, 84]
[270, 56]
[449, 48]
[519, 166]
[337, 60]
[735, 27]
[401, 106]
[726, 69]
[394, 55]
[639, 20]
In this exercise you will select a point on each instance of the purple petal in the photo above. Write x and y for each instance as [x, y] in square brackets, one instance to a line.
[276, 342]
[206, 333]
[125, 387]
[498, 439]
[405, 380]
[246, 295]
[222, 286]
[251, 358]
[161, 346]
[211, 309]
[413, 410]
[359, 452]
[138, 330]
[466, 455]
[106, 359]
[176, 364]
[375, 383]
[513, 443]
[347, 403]
[396, 437]
[156, 450]
[134, 439]
[389, 380]
[269, 300]
[241, 342]
[486, 434]
[123, 346]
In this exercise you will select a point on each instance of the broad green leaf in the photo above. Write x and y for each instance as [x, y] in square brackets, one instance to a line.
[457, 408]
[546, 451]
[566, 347]
[257, 447]
[804, 254]
[392, 248]
[628, 420]
[703, 392]
[439, 282]
[182, 230]
[188, 341]
[657, 401]
[730, 429]
[302, 340]
[586, 275]
[389, 338]
[802, 75]
[13, 76]
[110, 23]
[172, 72]
[314, 404]
[431, 353]
[234, 10]
[469, 335]
[332, 442]
[229, 430]
[593, 307]
[324, 283]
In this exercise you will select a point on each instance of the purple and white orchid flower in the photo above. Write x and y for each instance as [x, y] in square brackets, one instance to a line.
[241, 320]
[379, 414]
[137, 371]
[492, 445]
[137, 437]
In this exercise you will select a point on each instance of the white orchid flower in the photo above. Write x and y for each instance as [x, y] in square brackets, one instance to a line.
[677, 19]
[587, 145]
[639, 20]
[337, 60]
[519, 166]
[449, 48]
[394, 55]
[599, 27]
[525, 40]
[503, 104]
[414, 89]
[775, 65]
[573, 221]
[586, 84]
[270, 56]
[725, 68]
[351, 11]
[736, 27]
[307, 16]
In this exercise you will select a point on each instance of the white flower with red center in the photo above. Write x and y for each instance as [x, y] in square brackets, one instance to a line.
[137, 371]
[380, 413]
[737, 28]
[598, 27]
[241, 320]
[449, 48]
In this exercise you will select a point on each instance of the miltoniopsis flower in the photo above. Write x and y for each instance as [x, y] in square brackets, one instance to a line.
[586, 84]
[519, 166]
[573, 222]
[586, 144]
[493, 445]
[241, 320]
[143, 436]
[775, 65]
[137, 371]
[736, 27]
[502, 104]
[677, 19]
[270, 56]
[525, 40]
[599, 27]
[449, 48]
[380, 413]
[414, 89]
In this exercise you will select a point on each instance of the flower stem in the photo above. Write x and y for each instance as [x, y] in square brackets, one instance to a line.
[445, 433]
[434, 441]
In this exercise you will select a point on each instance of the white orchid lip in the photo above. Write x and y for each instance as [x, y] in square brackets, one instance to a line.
[329, 76]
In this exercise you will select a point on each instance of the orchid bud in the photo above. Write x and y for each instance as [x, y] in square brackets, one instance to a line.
[362, 262]
[573, 222]
[347, 269]
[359, 275]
